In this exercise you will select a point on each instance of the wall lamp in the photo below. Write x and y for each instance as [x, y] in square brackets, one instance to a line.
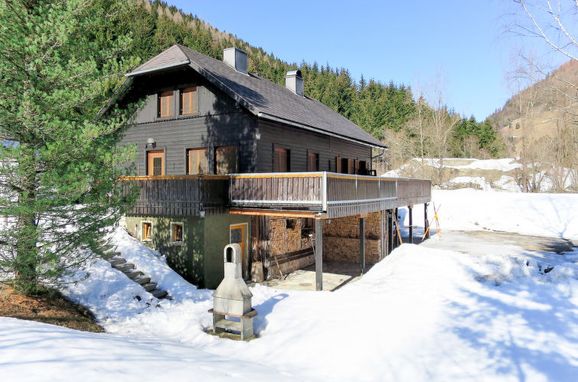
[151, 143]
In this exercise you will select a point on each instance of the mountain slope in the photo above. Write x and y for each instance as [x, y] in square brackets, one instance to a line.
[540, 109]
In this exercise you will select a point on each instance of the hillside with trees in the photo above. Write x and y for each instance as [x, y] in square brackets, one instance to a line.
[539, 125]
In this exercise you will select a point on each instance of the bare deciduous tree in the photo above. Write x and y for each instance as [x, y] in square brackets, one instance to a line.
[555, 156]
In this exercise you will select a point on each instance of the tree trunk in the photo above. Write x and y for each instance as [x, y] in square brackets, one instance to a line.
[26, 233]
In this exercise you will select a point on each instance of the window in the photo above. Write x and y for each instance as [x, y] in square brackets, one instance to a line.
[338, 164]
[177, 232]
[307, 227]
[155, 163]
[225, 160]
[362, 168]
[188, 101]
[197, 161]
[344, 166]
[312, 161]
[281, 160]
[165, 104]
[147, 231]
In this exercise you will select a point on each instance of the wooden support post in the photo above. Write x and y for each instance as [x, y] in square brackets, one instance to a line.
[382, 236]
[318, 254]
[410, 211]
[397, 239]
[362, 245]
[389, 232]
[425, 222]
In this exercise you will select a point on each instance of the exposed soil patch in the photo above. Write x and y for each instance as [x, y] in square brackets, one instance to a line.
[49, 307]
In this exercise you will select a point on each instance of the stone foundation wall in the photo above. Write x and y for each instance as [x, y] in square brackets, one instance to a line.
[347, 249]
[283, 239]
[349, 227]
[341, 239]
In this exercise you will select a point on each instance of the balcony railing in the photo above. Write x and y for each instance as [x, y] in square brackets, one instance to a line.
[186, 195]
[334, 195]
[316, 193]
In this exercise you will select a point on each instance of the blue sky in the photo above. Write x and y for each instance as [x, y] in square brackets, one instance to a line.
[454, 47]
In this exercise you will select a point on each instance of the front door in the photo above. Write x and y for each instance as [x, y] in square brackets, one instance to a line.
[155, 163]
[238, 234]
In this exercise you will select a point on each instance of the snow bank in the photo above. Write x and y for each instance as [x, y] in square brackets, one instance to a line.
[38, 352]
[486, 174]
[425, 313]
[551, 215]
[456, 308]
[503, 164]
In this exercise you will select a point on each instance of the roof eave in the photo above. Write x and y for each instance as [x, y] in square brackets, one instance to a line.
[158, 68]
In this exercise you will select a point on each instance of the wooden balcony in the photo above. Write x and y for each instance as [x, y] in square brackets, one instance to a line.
[186, 195]
[322, 194]
[298, 194]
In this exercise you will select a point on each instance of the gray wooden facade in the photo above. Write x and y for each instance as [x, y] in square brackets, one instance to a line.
[222, 122]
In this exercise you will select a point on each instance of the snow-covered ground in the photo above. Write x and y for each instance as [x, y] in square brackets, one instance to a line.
[457, 307]
[551, 215]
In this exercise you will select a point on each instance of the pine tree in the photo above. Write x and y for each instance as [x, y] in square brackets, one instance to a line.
[60, 62]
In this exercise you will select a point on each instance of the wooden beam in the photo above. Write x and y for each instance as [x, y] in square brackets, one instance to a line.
[425, 221]
[410, 209]
[276, 213]
[389, 232]
[318, 254]
[269, 175]
[382, 235]
[175, 177]
[362, 245]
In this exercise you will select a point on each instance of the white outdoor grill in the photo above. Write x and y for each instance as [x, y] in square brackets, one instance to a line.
[232, 311]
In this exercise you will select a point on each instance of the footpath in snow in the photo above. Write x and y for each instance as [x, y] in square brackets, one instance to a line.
[457, 308]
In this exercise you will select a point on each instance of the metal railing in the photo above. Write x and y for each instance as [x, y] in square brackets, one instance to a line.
[324, 192]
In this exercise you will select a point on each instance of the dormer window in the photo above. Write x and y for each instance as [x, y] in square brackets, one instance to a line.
[188, 101]
[165, 104]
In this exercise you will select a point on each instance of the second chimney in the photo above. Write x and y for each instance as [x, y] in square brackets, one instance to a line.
[236, 59]
[294, 82]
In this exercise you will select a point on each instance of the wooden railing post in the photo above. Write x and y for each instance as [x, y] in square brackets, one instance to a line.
[362, 244]
[324, 186]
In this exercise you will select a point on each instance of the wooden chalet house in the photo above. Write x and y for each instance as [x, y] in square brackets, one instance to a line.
[224, 155]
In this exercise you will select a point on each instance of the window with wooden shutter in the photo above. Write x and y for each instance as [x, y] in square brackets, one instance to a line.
[226, 160]
[147, 231]
[312, 161]
[281, 158]
[155, 163]
[177, 232]
[188, 101]
[197, 161]
[165, 104]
